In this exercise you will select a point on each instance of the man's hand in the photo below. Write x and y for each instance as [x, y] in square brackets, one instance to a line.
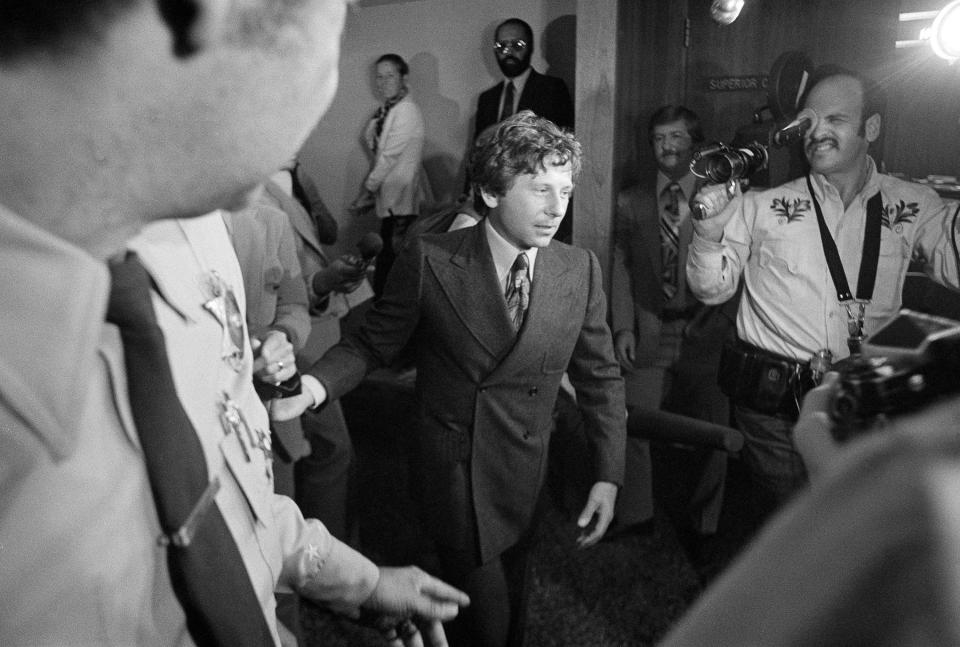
[312, 394]
[344, 274]
[812, 434]
[273, 358]
[625, 348]
[603, 496]
[712, 201]
[414, 604]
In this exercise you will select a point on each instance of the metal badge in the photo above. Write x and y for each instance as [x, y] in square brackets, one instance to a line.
[223, 305]
[233, 421]
[856, 313]
[820, 363]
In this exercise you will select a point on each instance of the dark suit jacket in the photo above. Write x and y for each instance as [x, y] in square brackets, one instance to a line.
[637, 304]
[636, 293]
[547, 96]
[485, 395]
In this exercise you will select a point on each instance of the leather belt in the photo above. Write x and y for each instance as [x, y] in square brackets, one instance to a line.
[764, 381]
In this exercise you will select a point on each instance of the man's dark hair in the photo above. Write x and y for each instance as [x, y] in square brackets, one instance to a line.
[522, 25]
[873, 99]
[397, 61]
[670, 113]
[522, 144]
[63, 27]
[54, 27]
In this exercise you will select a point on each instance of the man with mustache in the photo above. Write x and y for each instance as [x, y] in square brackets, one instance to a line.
[666, 341]
[822, 259]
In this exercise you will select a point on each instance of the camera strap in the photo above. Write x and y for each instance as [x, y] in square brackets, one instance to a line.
[868, 265]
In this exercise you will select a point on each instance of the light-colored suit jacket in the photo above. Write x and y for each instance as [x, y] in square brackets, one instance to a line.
[279, 548]
[79, 559]
[486, 394]
[396, 178]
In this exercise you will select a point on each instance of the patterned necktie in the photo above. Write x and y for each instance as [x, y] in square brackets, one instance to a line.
[670, 241]
[205, 565]
[507, 101]
[518, 290]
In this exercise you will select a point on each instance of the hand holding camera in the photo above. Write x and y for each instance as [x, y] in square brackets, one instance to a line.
[709, 209]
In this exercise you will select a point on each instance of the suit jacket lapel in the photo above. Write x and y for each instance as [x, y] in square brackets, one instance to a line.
[298, 216]
[546, 303]
[469, 280]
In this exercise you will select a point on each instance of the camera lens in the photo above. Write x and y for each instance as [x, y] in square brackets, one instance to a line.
[844, 406]
[720, 163]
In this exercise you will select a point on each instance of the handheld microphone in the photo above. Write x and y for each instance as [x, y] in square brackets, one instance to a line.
[805, 120]
[369, 247]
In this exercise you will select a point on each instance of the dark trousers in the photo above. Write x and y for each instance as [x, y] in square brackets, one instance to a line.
[497, 588]
[393, 230]
[323, 478]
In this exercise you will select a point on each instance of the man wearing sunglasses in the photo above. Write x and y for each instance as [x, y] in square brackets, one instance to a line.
[522, 88]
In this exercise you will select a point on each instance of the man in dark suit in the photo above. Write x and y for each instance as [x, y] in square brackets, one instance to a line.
[547, 96]
[496, 313]
[667, 342]
[523, 88]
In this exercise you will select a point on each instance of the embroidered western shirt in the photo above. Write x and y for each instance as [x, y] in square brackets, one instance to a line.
[789, 304]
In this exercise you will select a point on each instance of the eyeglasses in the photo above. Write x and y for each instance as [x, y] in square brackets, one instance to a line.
[516, 45]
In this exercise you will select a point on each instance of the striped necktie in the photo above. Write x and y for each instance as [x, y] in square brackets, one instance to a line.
[670, 240]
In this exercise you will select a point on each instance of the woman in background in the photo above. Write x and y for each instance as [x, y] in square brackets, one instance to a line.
[396, 185]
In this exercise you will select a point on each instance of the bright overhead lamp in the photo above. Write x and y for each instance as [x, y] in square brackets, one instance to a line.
[945, 32]
[725, 11]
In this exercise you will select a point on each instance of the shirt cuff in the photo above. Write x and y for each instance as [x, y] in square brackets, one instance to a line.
[314, 388]
[342, 578]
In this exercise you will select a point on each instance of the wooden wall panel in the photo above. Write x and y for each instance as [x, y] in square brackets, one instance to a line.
[856, 33]
[651, 69]
[595, 110]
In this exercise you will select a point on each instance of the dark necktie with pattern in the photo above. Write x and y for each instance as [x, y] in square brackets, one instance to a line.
[206, 569]
[670, 240]
[507, 101]
[518, 290]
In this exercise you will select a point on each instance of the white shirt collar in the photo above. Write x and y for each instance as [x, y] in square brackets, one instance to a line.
[505, 253]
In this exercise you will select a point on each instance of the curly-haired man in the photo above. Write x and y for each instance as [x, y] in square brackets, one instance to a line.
[496, 312]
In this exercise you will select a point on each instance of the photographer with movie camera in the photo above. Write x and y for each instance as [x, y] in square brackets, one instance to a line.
[823, 259]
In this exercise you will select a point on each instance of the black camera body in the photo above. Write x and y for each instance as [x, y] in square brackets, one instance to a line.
[720, 163]
[910, 361]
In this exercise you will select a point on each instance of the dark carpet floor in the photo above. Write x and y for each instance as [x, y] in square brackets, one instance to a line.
[626, 591]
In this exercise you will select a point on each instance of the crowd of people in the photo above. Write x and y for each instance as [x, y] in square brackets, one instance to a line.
[174, 461]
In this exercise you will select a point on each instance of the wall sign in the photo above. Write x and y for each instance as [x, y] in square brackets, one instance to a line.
[749, 83]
